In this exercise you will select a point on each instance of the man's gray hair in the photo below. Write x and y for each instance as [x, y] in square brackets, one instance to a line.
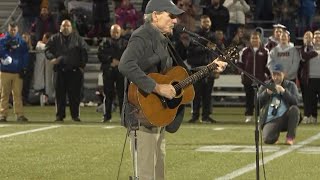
[147, 18]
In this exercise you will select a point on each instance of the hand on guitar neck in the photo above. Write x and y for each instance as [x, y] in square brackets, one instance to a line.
[165, 90]
[221, 65]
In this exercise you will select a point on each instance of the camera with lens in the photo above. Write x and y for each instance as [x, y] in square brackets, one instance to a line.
[275, 105]
[12, 44]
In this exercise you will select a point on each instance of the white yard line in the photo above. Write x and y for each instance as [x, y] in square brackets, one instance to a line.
[251, 167]
[4, 125]
[28, 131]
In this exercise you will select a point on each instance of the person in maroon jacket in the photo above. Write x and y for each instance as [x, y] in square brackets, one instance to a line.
[253, 59]
[273, 40]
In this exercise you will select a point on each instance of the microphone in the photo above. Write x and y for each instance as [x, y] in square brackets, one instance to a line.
[181, 29]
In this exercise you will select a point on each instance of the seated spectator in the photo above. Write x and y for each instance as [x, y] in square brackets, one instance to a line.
[279, 109]
[237, 10]
[127, 16]
[218, 14]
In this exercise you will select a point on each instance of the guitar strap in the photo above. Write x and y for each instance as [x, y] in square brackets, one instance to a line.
[176, 57]
[175, 124]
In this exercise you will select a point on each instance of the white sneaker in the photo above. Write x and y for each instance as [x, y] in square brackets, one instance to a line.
[248, 119]
[313, 120]
[306, 120]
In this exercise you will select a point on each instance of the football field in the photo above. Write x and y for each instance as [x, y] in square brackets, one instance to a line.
[42, 149]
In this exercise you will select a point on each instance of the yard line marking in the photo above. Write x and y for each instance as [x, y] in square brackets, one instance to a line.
[269, 158]
[28, 131]
[3, 125]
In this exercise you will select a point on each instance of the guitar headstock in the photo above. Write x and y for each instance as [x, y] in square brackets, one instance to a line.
[231, 54]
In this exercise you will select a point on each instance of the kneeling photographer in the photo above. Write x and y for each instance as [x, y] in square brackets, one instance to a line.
[279, 112]
[14, 59]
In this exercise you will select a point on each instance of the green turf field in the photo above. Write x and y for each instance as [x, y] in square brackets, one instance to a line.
[41, 149]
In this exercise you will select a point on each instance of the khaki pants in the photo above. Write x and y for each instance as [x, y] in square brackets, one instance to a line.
[151, 153]
[10, 83]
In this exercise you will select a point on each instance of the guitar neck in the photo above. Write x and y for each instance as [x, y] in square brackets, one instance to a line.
[195, 77]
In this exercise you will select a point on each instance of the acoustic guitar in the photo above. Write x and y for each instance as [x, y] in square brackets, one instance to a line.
[160, 111]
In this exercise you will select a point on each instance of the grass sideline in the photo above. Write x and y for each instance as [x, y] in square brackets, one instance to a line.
[92, 150]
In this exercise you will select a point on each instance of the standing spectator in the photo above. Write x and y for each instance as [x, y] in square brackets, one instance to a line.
[287, 56]
[101, 18]
[263, 11]
[27, 78]
[219, 15]
[286, 13]
[40, 64]
[237, 10]
[307, 52]
[127, 16]
[198, 58]
[30, 10]
[253, 59]
[312, 86]
[44, 23]
[279, 109]
[14, 61]
[273, 40]
[68, 52]
[307, 13]
[109, 55]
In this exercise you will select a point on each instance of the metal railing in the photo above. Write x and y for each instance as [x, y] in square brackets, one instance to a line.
[5, 24]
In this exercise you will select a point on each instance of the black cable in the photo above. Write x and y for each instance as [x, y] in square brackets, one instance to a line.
[124, 146]
[261, 147]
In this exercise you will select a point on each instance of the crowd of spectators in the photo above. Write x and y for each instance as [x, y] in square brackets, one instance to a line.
[231, 23]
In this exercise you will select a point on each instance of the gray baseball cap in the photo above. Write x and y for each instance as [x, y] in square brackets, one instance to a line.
[163, 5]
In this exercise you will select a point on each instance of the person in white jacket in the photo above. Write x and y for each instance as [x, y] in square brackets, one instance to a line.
[237, 10]
[43, 70]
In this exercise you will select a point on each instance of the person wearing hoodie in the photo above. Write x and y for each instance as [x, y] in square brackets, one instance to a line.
[14, 60]
[286, 55]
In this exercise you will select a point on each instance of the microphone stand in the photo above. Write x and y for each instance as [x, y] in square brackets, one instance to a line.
[256, 82]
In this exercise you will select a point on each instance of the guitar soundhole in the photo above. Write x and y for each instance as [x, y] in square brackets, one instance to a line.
[173, 103]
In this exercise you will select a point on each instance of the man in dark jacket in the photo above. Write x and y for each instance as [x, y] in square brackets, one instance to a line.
[218, 14]
[199, 58]
[279, 108]
[148, 52]
[68, 52]
[109, 55]
[253, 59]
[14, 60]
